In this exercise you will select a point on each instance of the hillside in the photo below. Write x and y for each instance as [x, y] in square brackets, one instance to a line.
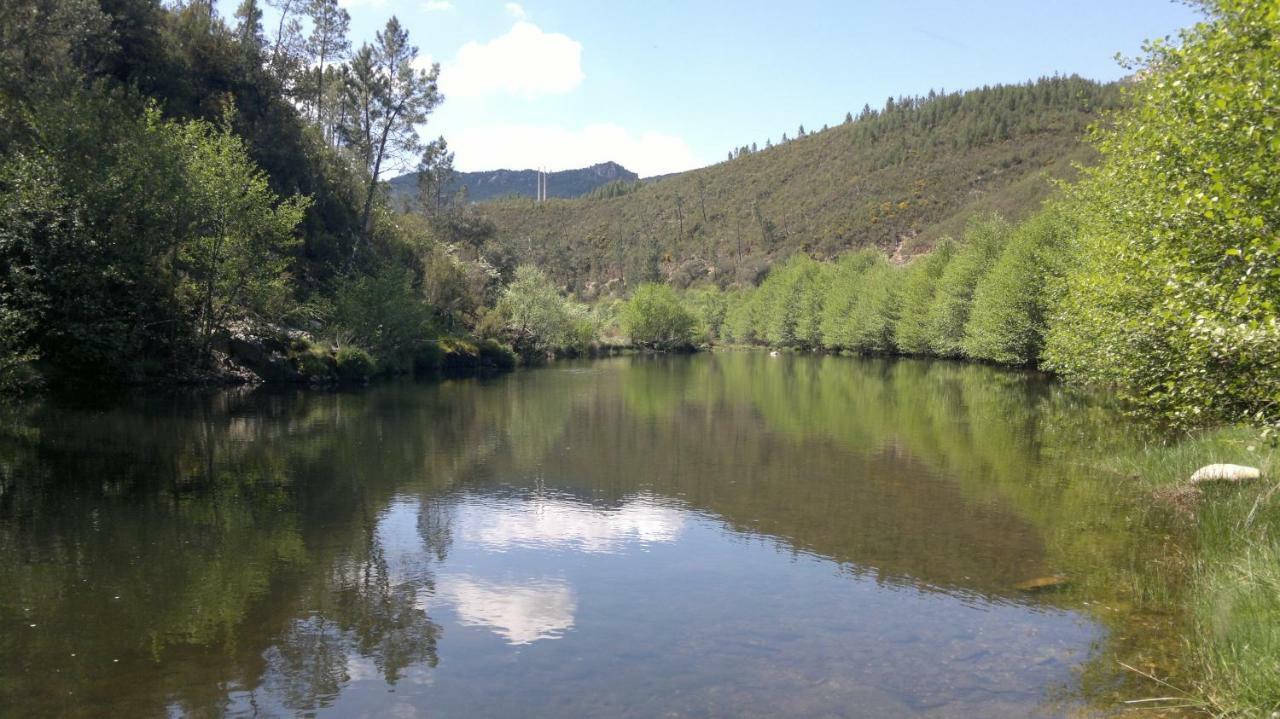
[899, 179]
[496, 184]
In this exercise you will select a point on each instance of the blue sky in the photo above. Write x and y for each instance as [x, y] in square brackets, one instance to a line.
[664, 86]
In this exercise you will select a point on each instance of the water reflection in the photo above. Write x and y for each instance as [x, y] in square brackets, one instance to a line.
[519, 612]
[723, 534]
[545, 521]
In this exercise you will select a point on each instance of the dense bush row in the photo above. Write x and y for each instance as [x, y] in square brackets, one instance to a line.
[984, 299]
[1176, 288]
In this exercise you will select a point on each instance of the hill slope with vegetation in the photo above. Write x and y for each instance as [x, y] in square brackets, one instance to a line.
[897, 179]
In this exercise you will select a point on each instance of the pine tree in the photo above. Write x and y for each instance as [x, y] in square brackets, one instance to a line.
[435, 172]
[328, 42]
[388, 99]
[289, 45]
[249, 27]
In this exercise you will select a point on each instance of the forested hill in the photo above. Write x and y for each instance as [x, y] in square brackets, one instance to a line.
[495, 184]
[898, 178]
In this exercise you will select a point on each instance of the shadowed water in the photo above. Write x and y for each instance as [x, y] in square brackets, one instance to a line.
[723, 535]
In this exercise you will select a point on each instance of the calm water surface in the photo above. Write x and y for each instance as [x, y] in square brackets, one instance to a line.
[727, 535]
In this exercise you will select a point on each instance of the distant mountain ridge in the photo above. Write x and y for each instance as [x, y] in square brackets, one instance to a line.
[496, 184]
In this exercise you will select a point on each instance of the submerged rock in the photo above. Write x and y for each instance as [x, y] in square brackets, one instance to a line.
[1040, 584]
[1225, 473]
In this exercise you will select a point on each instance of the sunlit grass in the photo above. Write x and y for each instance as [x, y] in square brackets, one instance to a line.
[1232, 586]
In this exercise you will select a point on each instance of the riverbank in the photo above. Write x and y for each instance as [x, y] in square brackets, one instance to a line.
[268, 354]
[1230, 573]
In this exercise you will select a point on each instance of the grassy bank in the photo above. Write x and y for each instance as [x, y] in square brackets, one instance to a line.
[1230, 584]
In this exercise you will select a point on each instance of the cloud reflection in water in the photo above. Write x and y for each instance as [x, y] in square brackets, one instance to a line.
[521, 613]
[556, 523]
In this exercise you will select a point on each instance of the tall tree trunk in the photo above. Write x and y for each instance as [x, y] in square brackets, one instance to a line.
[284, 16]
[366, 217]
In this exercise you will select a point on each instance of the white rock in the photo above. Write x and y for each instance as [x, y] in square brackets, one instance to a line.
[1225, 473]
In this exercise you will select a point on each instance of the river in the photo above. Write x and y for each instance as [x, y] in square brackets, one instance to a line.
[729, 534]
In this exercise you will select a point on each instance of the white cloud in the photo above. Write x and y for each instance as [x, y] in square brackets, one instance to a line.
[556, 148]
[515, 9]
[526, 62]
[422, 62]
[437, 5]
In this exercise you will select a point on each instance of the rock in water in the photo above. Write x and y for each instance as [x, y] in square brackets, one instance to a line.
[1225, 473]
[1040, 584]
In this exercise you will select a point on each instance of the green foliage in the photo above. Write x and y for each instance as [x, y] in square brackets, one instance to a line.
[144, 152]
[617, 188]
[1174, 297]
[384, 313]
[354, 364]
[870, 321]
[709, 304]
[1011, 304]
[314, 362]
[453, 355]
[386, 96]
[791, 303]
[742, 317]
[15, 359]
[538, 321]
[89, 219]
[428, 359]
[846, 294]
[496, 354]
[235, 259]
[655, 318]
[949, 312]
[919, 286]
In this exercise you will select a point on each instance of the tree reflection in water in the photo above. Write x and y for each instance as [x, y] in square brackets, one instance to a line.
[271, 552]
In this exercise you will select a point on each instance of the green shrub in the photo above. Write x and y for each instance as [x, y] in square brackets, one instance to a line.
[871, 319]
[538, 321]
[354, 364]
[428, 359]
[709, 304]
[497, 355]
[949, 312]
[919, 285]
[16, 373]
[741, 316]
[845, 291]
[655, 318]
[315, 363]
[382, 311]
[1008, 319]
[791, 303]
[1173, 299]
[607, 318]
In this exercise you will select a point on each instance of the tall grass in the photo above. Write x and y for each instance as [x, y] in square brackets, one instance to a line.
[1231, 595]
